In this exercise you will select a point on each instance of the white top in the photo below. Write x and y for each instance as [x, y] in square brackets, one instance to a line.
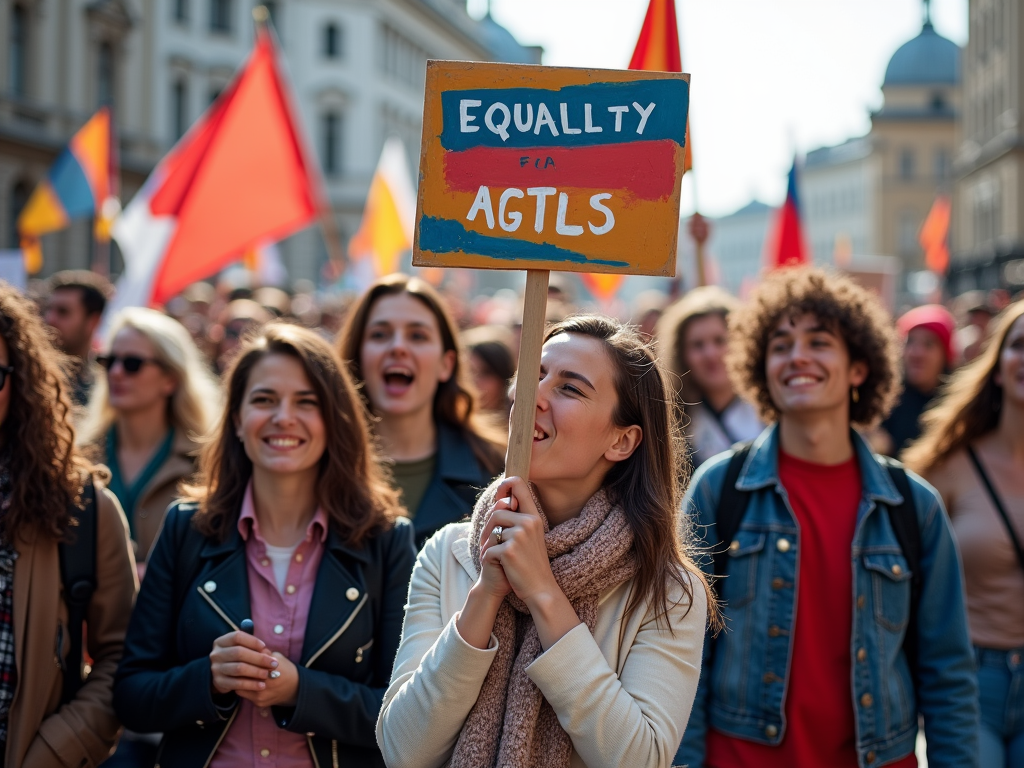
[623, 694]
[280, 559]
[708, 436]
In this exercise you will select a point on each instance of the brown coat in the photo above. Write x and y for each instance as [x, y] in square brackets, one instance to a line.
[160, 492]
[41, 733]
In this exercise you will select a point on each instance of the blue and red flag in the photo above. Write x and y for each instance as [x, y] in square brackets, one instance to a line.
[81, 182]
[786, 246]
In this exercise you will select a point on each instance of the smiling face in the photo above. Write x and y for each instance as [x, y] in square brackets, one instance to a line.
[703, 353]
[142, 390]
[1010, 373]
[402, 356]
[809, 369]
[575, 437]
[279, 422]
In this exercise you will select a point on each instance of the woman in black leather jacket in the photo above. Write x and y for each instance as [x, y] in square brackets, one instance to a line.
[274, 598]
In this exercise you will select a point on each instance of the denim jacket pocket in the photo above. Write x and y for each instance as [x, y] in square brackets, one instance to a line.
[740, 583]
[890, 587]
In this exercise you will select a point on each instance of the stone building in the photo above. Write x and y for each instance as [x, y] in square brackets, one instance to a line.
[989, 205]
[356, 66]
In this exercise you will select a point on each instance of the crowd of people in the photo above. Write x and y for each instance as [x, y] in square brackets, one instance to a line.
[261, 528]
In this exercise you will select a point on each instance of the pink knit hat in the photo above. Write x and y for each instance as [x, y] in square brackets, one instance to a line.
[936, 319]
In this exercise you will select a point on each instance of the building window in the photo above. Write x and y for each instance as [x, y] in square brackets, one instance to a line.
[181, 11]
[331, 143]
[402, 59]
[220, 16]
[938, 102]
[332, 41]
[105, 75]
[179, 108]
[18, 54]
[906, 164]
[942, 165]
[19, 197]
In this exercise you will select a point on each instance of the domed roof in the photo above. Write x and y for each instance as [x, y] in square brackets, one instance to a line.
[928, 59]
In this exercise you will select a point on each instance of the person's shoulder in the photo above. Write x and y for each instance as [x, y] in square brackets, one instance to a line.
[712, 472]
[444, 540]
[179, 516]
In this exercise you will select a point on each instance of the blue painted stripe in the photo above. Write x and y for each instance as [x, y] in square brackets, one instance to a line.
[71, 185]
[666, 121]
[448, 236]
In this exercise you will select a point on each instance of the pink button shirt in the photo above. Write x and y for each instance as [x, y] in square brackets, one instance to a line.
[280, 620]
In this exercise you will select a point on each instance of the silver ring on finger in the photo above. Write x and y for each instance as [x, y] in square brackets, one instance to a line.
[498, 531]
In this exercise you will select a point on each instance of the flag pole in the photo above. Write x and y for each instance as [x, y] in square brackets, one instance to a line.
[328, 226]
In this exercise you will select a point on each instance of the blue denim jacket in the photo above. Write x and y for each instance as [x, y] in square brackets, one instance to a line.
[738, 697]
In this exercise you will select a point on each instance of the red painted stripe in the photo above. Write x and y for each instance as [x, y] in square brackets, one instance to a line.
[645, 168]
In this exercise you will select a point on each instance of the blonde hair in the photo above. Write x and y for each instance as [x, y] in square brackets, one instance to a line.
[195, 403]
[968, 406]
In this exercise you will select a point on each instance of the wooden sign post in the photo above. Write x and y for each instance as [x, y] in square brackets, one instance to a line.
[541, 168]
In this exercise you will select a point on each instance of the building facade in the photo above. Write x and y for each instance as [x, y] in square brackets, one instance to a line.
[356, 66]
[989, 205]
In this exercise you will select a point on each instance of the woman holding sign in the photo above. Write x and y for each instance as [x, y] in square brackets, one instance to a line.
[563, 625]
[402, 347]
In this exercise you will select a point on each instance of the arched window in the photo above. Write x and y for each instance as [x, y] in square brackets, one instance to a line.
[179, 108]
[18, 52]
[19, 197]
[332, 41]
[331, 143]
[105, 74]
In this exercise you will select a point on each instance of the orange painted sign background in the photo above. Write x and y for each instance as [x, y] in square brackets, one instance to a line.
[529, 167]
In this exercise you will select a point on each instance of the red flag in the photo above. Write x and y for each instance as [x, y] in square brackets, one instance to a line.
[786, 246]
[240, 176]
[933, 236]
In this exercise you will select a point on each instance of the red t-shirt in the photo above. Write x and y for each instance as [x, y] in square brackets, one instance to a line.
[820, 726]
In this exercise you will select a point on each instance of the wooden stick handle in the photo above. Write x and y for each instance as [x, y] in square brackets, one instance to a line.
[520, 439]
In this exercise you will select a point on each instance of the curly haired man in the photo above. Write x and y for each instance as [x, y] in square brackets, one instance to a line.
[841, 584]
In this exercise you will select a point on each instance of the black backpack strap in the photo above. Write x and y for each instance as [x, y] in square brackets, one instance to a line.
[732, 506]
[78, 577]
[903, 519]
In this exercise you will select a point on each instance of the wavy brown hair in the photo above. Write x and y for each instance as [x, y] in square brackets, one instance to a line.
[648, 485]
[351, 487]
[969, 404]
[37, 432]
[454, 402]
[840, 305]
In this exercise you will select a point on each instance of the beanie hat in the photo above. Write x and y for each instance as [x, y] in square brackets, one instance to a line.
[936, 319]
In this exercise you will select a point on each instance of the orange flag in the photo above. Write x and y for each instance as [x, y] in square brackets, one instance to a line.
[240, 176]
[934, 233]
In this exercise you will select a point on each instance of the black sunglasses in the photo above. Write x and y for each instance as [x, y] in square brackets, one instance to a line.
[130, 363]
[5, 370]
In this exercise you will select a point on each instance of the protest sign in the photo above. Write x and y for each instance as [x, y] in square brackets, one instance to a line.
[549, 168]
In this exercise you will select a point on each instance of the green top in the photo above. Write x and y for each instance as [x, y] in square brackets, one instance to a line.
[128, 495]
[412, 478]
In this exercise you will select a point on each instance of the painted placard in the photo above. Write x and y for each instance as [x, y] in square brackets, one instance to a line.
[529, 167]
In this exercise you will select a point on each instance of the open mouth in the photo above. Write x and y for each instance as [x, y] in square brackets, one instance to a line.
[539, 434]
[802, 380]
[283, 443]
[397, 380]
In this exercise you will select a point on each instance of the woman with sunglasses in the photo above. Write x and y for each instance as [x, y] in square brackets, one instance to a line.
[563, 625]
[54, 512]
[144, 418]
[271, 612]
[401, 345]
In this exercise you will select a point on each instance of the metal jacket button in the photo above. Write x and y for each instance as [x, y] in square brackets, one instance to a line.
[771, 731]
[352, 593]
[782, 545]
[867, 700]
[862, 655]
[734, 546]
[210, 586]
[896, 570]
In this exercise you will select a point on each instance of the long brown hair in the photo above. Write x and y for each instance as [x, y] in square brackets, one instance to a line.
[37, 432]
[454, 402]
[351, 486]
[649, 484]
[968, 406]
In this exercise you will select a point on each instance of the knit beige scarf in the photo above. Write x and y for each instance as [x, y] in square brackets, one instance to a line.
[511, 725]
